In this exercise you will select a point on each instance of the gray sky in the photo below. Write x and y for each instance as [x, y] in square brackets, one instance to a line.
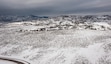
[54, 7]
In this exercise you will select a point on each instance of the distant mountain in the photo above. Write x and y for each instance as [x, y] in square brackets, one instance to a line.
[20, 18]
[67, 17]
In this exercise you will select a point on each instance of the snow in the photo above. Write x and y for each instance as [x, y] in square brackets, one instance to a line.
[31, 28]
[46, 43]
[101, 26]
[101, 23]
[92, 53]
[6, 62]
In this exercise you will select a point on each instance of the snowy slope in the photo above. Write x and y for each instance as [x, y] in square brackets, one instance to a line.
[29, 41]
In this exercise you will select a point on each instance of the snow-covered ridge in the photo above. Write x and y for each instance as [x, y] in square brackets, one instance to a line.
[92, 22]
[50, 25]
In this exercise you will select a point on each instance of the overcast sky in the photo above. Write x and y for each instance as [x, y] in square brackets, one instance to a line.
[54, 7]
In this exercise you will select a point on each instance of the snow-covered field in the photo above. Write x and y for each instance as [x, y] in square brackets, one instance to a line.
[57, 43]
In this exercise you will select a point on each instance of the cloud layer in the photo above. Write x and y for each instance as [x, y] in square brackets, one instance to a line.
[54, 7]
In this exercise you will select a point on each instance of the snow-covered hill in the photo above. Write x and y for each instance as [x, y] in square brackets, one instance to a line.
[57, 42]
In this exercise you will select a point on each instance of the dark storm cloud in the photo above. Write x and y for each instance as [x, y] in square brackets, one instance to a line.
[54, 7]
